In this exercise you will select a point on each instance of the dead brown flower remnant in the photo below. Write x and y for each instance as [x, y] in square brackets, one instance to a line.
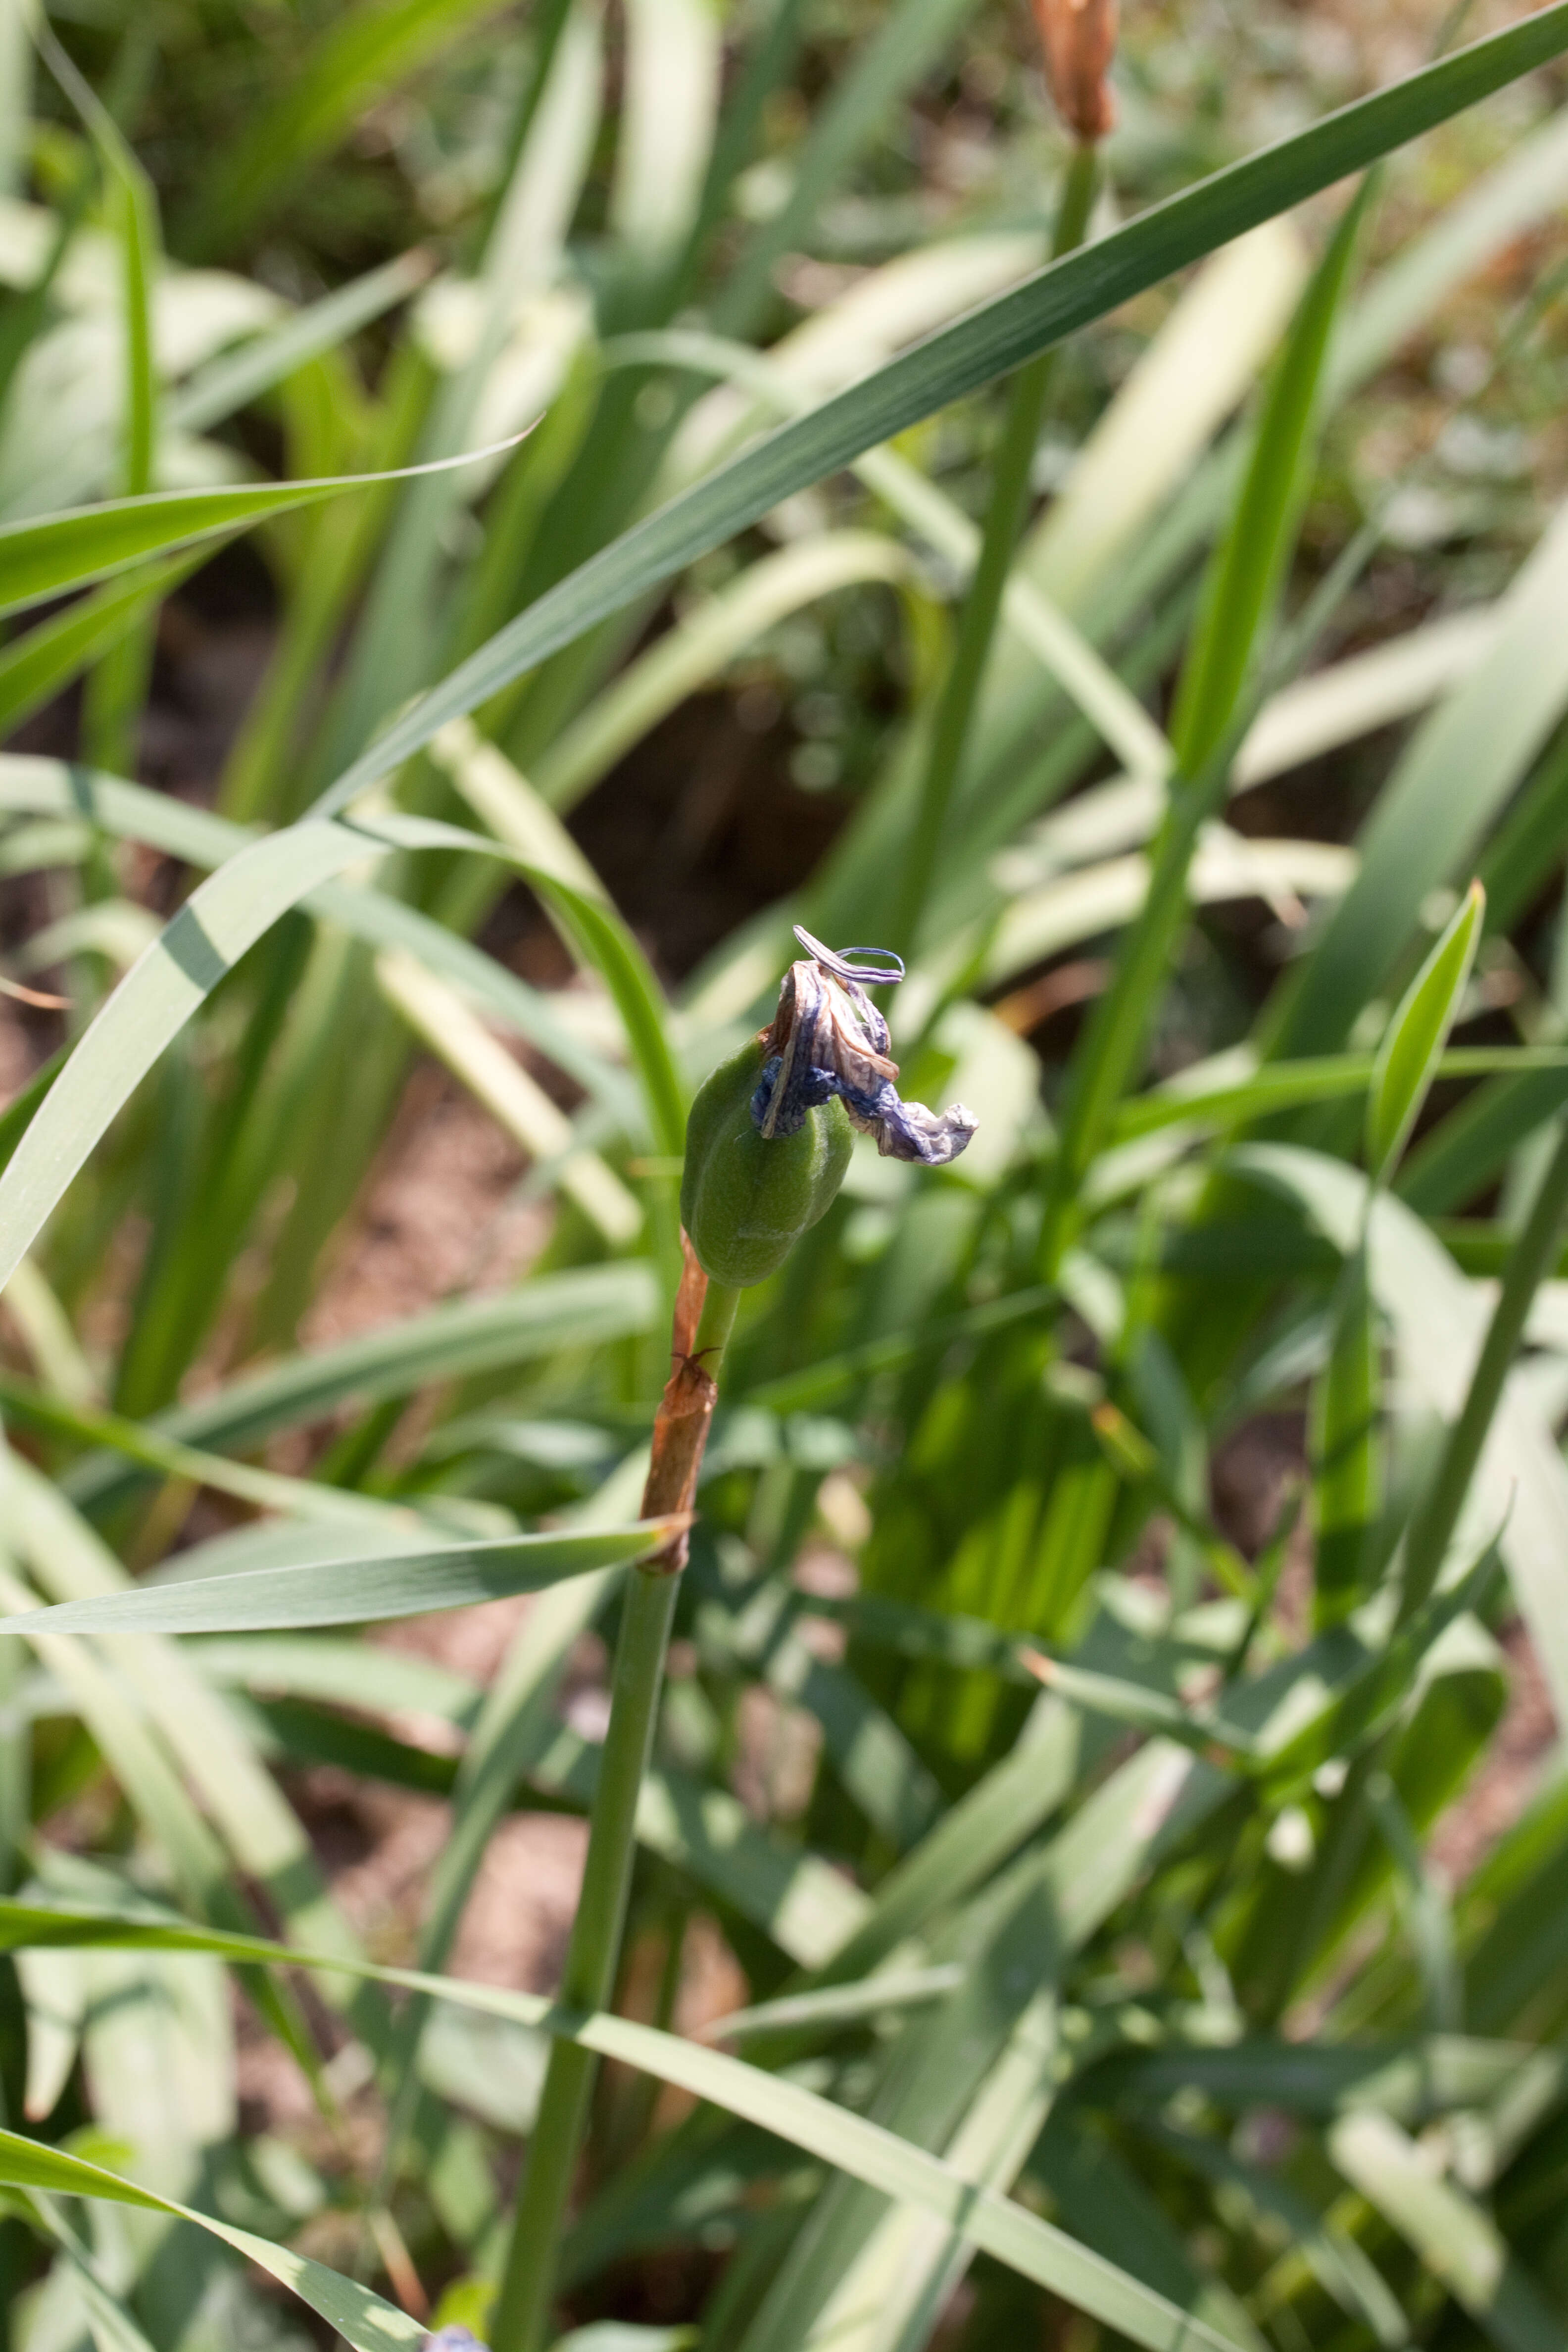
[1078, 38]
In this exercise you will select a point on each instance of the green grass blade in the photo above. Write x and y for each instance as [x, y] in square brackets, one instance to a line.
[362, 2318]
[1430, 817]
[604, 941]
[36, 668]
[1346, 1450]
[225, 916]
[841, 2139]
[1411, 1047]
[360, 51]
[354, 1592]
[583, 1308]
[973, 352]
[1457, 2241]
[45, 557]
[51, 788]
[1328, 1078]
[236, 378]
[905, 45]
[1249, 562]
[689, 655]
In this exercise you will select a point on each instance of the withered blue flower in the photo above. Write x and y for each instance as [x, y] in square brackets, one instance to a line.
[828, 1038]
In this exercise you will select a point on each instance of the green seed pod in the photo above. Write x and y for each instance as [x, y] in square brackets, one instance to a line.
[746, 1198]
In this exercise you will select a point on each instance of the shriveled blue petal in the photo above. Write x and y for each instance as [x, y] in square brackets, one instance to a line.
[806, 1089]
[909, 1131]
[829, 1039]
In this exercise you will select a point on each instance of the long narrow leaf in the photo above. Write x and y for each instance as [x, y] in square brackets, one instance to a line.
[973, 352]
[838, 2136]
[354, 1592]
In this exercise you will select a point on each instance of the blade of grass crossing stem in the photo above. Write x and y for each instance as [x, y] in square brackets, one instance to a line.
[990, 341]
[834, 2134]
[1042, 630]
[368, 1590]
[362, 2318]
[1209, 723]
[1413, 1042]
[1011, 480]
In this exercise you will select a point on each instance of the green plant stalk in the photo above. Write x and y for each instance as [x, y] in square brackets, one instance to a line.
[1112, 1041]
[1532, 1259]
[1005, 516]
[1219, 690]
[520, 2320]
[117, 686]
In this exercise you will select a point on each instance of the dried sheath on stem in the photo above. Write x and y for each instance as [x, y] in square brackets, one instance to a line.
[685, 1412]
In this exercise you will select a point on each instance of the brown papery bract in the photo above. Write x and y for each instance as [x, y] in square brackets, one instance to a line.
[1078, 38]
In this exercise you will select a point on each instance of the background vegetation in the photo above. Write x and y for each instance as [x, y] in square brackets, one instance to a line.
[1103, 1869]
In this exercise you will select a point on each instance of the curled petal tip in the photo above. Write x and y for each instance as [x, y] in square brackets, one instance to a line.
[873, 967]
[909, 1131]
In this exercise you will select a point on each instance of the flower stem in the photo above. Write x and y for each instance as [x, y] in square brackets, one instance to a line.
[1026, 399]
[704, 1316]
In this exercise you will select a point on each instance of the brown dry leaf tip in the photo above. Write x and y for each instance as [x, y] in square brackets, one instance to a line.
[39, 996]
[1078, 38]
